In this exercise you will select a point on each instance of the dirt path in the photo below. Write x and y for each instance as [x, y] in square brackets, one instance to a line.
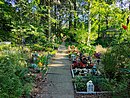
[59, 80]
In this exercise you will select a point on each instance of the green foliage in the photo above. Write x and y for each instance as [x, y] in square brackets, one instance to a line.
[109, 61]
[5, 17]
[53, 52]
[49, 46]
[86, 49]
[37, 47]
[23, 23]
[14, 74]
[117, 88]
[81, 36]
[27, 89]
[1, 2]
[4, 47]
[80, 84]
[10, 82]
[44, 60]
[116, 64]
[115, 59]
[56, 45]
[100, 83]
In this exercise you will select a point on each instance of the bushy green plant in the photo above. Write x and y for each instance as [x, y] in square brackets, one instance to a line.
[47, 49]
[11, 86]
[44, 60]
[4, 47]
[80, 84]
[13, 74]
[28, 88]
[114, 60]
[116, 68]
[110, 65]
[37, 47]
[101, 83]
[86, 49]
[117, 88]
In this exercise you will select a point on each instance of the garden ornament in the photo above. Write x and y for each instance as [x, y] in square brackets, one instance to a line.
[90, 86]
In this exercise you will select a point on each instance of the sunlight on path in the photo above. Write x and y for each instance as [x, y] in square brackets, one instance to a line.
[59, 81]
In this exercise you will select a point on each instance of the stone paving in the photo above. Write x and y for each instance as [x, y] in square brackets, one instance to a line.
[58, 82]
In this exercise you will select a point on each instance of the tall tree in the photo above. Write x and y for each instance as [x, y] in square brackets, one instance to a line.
[75, 15]
[89, 22]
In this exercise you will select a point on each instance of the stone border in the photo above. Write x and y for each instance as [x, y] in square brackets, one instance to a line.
[7, 43]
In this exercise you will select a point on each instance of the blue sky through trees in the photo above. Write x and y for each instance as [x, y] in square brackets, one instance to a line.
[123, 4]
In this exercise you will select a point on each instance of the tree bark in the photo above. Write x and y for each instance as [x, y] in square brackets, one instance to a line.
[49, 22]
[55, 18]
[70, 18]
[89, 23]
[74, 15]
[106, 22]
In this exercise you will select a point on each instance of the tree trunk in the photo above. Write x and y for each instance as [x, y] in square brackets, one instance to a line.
[89, 23]
[75, 15]
[106, 22]
[99, 26]
[70, 18]
[129, 7]
[49, 22]
[55, 18]
[128, 19]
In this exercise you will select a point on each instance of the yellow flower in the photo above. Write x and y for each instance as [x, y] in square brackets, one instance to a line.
[40, 64]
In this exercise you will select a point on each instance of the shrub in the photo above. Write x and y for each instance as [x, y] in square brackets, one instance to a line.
[80, 84]
[37, 47]
[86, 49]
[114, 60]
[13, 74]
[10, 82]
[116, 68]
[4, 47]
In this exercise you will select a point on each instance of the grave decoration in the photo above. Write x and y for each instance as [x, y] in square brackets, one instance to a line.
[90, 86]
[87, 77]
[38, 64]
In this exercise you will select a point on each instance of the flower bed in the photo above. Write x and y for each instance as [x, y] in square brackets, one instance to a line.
[113, 78]
[80, 82]
[84, 69]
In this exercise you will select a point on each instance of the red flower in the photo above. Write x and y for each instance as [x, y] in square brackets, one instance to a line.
[124, 27]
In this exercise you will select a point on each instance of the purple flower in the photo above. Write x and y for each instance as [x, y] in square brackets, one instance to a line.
[83, 3]
[13, 3]
[97, 55]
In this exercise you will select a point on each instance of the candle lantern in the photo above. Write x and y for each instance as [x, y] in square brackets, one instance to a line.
[90, 86]
[94, 69]
[73, 57]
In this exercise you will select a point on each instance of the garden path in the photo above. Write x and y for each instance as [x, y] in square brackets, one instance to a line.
[59, 81]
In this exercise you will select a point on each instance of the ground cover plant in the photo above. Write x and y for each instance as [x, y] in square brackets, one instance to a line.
[12, 73]
[19, 71]
[117, 69]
